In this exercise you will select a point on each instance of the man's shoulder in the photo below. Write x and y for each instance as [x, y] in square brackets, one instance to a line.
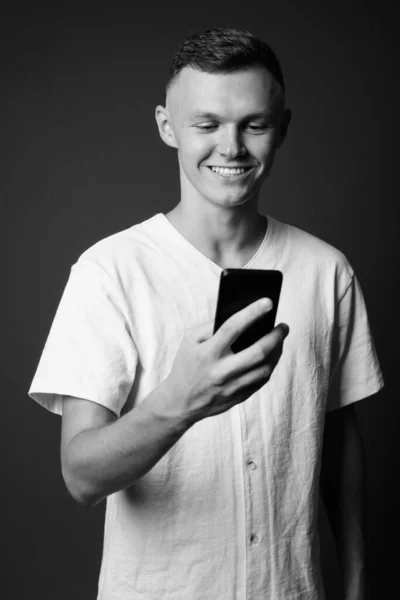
[306, 246]
[311, 259]
[118, 250]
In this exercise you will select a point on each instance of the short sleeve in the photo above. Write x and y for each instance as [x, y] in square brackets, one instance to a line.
[89, 352]
[355, 371]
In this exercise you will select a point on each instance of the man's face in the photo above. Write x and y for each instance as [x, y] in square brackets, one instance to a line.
[218, 121]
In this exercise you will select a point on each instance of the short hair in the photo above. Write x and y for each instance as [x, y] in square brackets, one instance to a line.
[219, 50]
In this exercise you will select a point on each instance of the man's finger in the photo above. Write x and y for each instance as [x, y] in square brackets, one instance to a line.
[240, 321]
[267, 348]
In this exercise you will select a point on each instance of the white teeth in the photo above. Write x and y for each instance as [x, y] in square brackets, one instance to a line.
[224, 171]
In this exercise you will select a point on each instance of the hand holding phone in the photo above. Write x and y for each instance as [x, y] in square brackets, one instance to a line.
[207, 378]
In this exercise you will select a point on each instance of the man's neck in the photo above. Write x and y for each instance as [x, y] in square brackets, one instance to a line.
[229, 239]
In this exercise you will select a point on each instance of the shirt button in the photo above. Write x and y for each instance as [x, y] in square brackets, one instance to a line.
[252, 465]
[254, 538]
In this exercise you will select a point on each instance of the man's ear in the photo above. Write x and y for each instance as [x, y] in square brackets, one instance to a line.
[287, 117]
[165, 127]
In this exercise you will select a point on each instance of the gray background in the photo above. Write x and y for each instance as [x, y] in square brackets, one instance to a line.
[81, 159]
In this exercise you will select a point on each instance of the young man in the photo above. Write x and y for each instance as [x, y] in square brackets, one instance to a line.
[210, 460]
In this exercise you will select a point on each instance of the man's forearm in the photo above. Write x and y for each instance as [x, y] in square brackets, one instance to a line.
[351, 534]
[350, 539]
[343, 485]
[103, 460]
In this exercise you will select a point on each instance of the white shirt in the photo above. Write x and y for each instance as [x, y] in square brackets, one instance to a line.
[230, 512]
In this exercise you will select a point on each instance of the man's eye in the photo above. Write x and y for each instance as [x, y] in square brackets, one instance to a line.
[258, 127]
[208, 127]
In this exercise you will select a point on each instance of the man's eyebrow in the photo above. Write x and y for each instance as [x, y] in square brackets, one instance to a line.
[210, 116]
[201, 114]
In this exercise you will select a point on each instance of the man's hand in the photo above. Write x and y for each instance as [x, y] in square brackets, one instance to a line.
[207, 378]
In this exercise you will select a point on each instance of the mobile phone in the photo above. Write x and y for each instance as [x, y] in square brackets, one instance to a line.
[240, 287]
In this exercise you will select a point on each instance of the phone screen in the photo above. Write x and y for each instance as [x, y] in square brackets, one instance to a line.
[240, 287]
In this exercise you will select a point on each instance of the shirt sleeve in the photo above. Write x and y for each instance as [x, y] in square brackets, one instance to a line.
[355, 371]
[89, 352]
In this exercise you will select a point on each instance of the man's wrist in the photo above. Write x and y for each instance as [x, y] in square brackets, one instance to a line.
[160, 404]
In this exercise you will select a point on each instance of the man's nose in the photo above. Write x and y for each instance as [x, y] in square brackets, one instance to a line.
[231, 144]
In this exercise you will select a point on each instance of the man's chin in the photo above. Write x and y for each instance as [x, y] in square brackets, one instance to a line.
[230, 200]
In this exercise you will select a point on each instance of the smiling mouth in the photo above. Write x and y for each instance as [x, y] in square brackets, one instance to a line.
[230, 172]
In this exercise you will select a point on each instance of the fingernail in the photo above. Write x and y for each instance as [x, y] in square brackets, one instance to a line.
[265, 303]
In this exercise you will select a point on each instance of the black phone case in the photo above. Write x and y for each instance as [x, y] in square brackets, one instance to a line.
[240, 287]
